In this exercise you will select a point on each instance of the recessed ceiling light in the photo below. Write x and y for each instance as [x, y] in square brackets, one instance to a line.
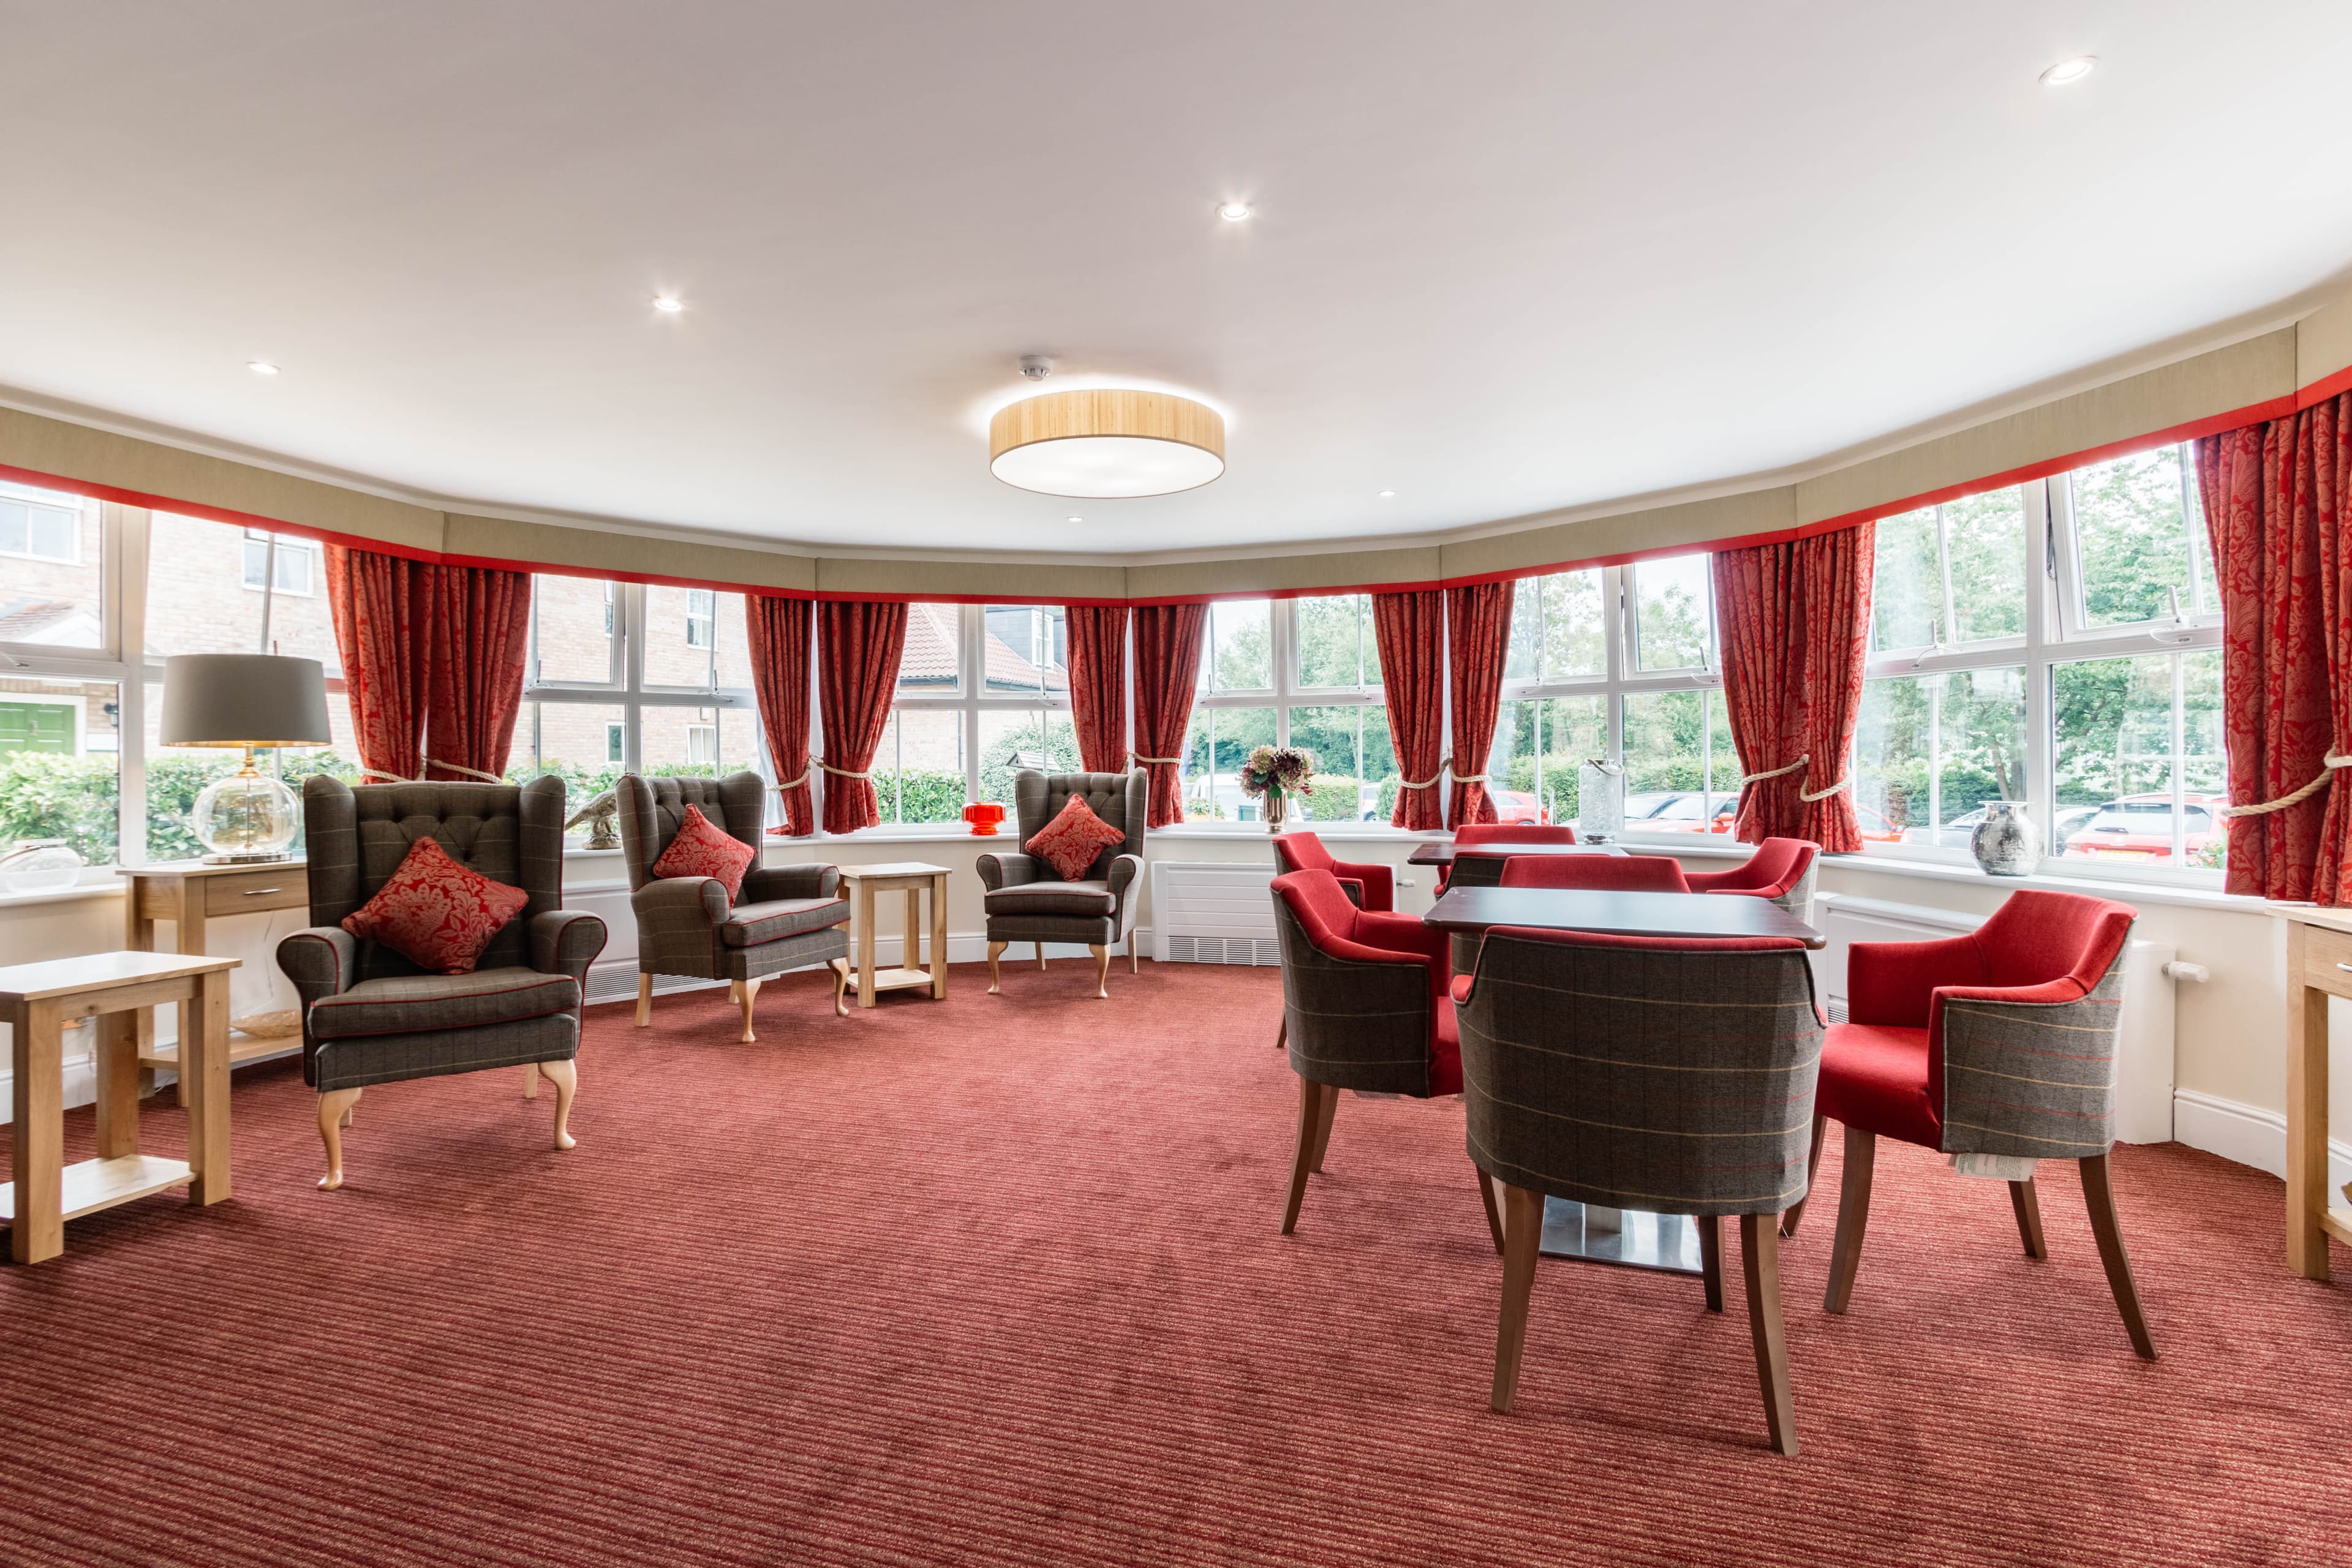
[1388, 495]
[260, 367]
[1234, 212]
[2073, 70]
[668, 304]
[1074, 520]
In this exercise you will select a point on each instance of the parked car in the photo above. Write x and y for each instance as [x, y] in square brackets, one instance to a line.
[1517, 806]
[2139, 827]
[2064, 824]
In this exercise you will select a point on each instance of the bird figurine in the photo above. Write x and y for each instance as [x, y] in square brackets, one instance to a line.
[602, 815]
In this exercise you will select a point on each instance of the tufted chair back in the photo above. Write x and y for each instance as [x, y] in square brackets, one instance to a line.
[1119, 799]
[652, 809]
[356, 837]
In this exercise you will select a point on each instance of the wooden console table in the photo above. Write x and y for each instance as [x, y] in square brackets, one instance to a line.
[188, 892]
[2319, 965]
[37, 1002]
[914, 878]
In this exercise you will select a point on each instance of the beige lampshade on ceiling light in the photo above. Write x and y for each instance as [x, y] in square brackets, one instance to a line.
[1106, 444]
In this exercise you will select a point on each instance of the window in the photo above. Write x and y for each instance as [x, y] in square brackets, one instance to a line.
[2011, 661]
[701, 618]
[984, 693]
[1302, 673]
[295, 559]
[52, 571]
[1616, 662]
[616, 741]
[60, 756]
[36, 524]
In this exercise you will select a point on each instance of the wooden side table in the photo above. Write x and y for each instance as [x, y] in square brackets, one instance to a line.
[2319, 965]
[37, 1002]
[914, 878]
[187, 893]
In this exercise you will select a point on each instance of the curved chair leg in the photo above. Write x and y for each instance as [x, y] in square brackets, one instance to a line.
[1710, 1258]
[746, 993]
[565, 1077]
[995, 980]
[2027, 1203]
[1760, 1260]
[332, 1104]
[1282, 1035]
[1812, 1168]
[2099, 1198]
[1853, 1214]
[1522, 1234]
[1041, 955]
[1494, 1214]
[530, 1080]
[1134, 965]
[1323, 1124]
[1311, 1113]
[644, 1000]
[1102, 969]
[840, 967]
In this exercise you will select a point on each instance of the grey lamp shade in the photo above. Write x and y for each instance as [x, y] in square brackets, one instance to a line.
[243, 699]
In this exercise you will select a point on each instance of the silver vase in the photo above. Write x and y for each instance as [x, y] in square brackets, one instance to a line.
[2007, 842]
[1277, 807]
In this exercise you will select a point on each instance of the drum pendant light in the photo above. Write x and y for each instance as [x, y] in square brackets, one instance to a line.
[1106, 444]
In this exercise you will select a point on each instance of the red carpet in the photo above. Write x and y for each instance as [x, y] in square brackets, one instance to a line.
[997, 1281]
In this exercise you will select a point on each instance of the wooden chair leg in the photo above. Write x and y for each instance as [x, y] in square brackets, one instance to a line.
[565, 1077]
[1494, 1214]
[840, 987]
[1812, 1168]
[1310, 1116]
[332, 1106]
[1041, 955]
[1282, 1035]
[1710, 1258]
[1522, 1234]
[1759, 1259]
[2099, 1198]
[746, 993]
[1102, 969]
[1134, 964]
[2027, 1203]
[994, 981]
[644, 1000]
[1323, 1125]
[530, 1080]
[1853, 1214]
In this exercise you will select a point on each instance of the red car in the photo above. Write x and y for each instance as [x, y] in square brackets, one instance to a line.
[2139, 827]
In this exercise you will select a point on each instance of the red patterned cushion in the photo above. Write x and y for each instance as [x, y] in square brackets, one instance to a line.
[436, 913]
[1072, 840]
[702, 848]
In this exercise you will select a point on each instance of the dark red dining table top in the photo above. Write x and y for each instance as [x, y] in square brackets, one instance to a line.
[1444, 854]
[1618, 914]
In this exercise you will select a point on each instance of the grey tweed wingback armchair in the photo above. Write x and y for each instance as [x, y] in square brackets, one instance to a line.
[785, 916]
[1028, 901]
[370, 1015]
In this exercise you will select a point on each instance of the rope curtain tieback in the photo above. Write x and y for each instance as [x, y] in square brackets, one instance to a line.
[1444, 766]
[1810, 795]
[1802, 794]
[2335, 759]
[795, 784]
[469, 773]
[388, 778]
[1776, 773]
[838, 773]
[1171, 761]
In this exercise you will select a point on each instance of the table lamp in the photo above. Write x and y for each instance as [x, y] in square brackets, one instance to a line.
[246, 700]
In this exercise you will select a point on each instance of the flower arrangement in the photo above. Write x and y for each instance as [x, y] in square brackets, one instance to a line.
[1274, 772]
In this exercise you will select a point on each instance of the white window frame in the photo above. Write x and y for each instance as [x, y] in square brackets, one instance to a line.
[27, 495]
[971, 699]
[1289, 690]
[272, 544]
[2055, 635]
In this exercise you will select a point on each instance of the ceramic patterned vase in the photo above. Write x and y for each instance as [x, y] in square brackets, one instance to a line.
[2007, 842]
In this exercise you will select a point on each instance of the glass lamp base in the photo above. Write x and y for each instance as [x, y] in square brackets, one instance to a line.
[246, 816]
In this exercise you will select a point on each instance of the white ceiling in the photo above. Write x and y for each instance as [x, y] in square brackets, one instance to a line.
[1508, 257]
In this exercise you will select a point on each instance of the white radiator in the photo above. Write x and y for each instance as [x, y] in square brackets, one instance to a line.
[2143, 1050]
[1213, 913]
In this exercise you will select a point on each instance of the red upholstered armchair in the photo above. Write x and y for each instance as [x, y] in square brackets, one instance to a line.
[1998, 1043]
[1366, 1005]
[1371, 884]
[1782, 869]
[1505, 833]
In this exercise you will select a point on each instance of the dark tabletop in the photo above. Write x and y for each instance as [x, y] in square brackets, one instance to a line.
[1443, 853]
[1618, 914]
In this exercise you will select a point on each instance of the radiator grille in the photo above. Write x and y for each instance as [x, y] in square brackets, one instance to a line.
[1261, 952]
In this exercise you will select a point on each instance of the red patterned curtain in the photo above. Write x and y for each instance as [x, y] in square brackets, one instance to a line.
[858, 645]
[1478, 632]
[1167, 668]
[1098, 685]
[1794, 620]
[477, 639]
[381, 604]
[2278, 503]
[779, 633]
[1410, 627]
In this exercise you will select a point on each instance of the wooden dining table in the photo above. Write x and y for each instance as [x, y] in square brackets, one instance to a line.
[1445, 852]
[1633, 1238]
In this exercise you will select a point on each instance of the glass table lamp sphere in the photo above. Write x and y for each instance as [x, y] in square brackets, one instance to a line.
[247, 815]
[39, 866]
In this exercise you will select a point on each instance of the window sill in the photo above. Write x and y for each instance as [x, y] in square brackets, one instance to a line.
[105, 887]
[2121, 890]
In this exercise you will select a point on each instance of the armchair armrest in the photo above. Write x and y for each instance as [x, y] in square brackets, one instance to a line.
[1375, 884]
[1894, 984]
[810, 880]
[1410, 935]
[1006, 868]
[565, 942]
[1124, 870]
[2026, 1070]
[321, 961]
[667, 899]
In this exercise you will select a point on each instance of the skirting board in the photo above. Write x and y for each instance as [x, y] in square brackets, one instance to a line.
[2248, 1135]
